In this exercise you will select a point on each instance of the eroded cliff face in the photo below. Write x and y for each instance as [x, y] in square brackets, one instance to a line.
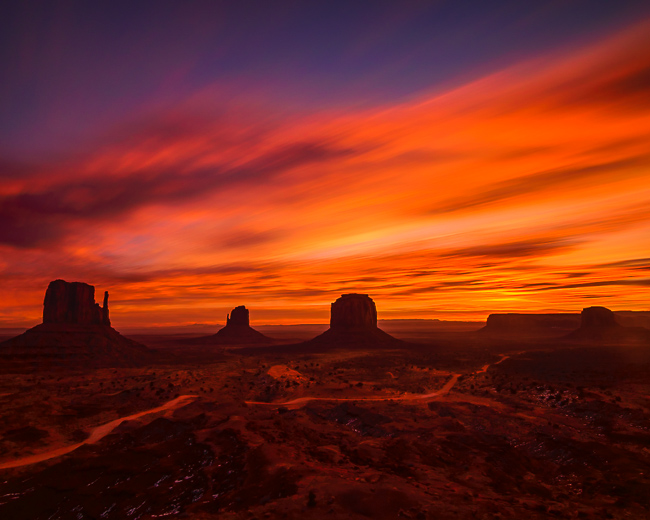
[600, 325]
[238, 317]
[546, 325]
[74, 303]
[237, 330]
[76, 332]
[353, 311]
[598, 318]
[353, 324]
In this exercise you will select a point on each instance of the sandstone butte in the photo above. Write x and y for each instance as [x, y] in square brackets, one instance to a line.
[353, 322]
[76, 331]
[601, 325]
[237, 331]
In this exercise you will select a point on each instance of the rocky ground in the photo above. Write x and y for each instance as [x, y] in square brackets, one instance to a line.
[551, 431]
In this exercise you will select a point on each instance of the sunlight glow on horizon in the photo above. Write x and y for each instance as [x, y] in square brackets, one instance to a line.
[523, 191]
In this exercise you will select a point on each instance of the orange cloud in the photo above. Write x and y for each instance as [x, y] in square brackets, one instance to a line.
[524, 190]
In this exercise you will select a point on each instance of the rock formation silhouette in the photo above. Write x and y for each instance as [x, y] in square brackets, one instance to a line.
[601, 325]
[74, 303]
[546, 325]
[353, 311]
[598, 319]
[237, 331]
[353, 322]
[75, 331]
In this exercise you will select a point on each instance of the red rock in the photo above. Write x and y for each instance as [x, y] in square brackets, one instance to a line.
[76, 332]
[353, 323]
[353, 310]
[547, 325]
[236, 332]
[598, 318]
[600, 325]
[239, 316]
[74, 303]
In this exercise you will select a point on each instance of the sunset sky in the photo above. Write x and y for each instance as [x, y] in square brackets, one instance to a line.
[449, 158]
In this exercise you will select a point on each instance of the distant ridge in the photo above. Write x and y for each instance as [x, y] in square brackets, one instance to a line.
[554, 324]
[516, 324]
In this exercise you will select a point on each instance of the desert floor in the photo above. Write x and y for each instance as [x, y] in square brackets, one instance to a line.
[453, 425]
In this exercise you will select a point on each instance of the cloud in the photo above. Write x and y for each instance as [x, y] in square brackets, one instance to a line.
[641, 282]
[632, 263]
[40, 216]
[488, 197]
[615, 75]
[543, 181]
[631, 88]
[517, 249]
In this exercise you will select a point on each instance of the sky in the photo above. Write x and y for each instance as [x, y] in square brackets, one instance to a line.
[449, 158]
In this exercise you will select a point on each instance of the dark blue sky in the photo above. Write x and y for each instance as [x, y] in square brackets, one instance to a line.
[72, 70]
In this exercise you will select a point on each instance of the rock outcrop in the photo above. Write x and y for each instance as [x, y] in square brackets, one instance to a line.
[353, 323]
[353, 311]
[237, 331]
[76, 332]
[538, 325]
[598, 319]
[74, 303]
[238, 317]
[601, 325]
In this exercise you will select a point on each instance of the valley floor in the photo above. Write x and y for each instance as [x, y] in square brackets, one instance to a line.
[460, 428]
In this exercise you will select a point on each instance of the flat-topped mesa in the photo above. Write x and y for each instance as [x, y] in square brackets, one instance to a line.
[238, 317]
[74, 303]
[353, 311]
[598, 318]
[514, 324]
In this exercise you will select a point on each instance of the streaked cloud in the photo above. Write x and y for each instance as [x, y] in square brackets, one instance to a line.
[523, 190]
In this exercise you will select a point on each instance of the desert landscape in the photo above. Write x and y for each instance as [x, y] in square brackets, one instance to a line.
[324, 259]
[482, 422]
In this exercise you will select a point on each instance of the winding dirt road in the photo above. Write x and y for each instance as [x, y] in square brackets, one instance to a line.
[295, 403]
[485, 367]
[101, 431]
[411, 397]
[98, 433]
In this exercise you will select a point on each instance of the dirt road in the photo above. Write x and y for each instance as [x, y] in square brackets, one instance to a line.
[98, 433]
[296, 403]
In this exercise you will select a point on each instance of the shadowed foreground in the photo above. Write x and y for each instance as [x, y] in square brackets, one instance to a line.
[464, 427]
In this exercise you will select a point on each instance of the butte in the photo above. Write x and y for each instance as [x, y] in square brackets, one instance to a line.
[601, 325]
[76, 332]
[353, 323]
[237, 331]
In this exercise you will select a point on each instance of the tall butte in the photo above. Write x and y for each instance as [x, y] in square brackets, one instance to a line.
[75, 331]
[353, 322]
[74, 303]
[353, 311]
[237, 331]
[601, 325]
